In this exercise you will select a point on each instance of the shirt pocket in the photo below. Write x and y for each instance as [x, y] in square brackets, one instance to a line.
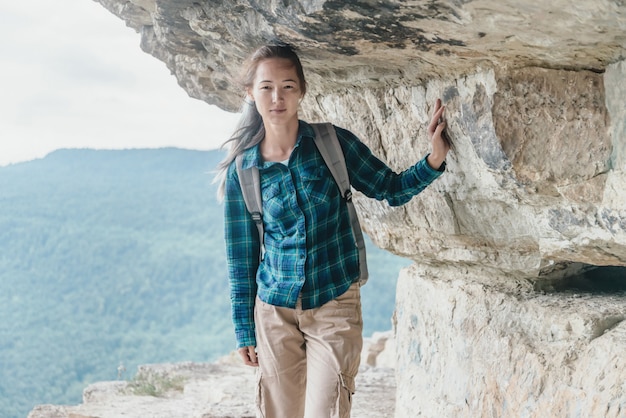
[274, 209]
[319, 185]
[272, 202]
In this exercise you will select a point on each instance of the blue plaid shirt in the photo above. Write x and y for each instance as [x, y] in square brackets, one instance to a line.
[310, 250]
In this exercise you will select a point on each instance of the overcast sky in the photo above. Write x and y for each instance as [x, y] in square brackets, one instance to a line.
[73, 76]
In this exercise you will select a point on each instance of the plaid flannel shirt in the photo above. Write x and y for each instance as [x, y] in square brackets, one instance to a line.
[310, 250]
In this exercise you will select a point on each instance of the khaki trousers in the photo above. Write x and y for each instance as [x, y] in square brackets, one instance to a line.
[308, 359]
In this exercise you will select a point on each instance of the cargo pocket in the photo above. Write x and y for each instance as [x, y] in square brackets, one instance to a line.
[346, 390]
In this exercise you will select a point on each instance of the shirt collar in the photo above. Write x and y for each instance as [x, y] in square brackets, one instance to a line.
[251, 157]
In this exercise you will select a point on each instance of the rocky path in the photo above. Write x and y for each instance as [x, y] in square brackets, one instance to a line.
[207, 390]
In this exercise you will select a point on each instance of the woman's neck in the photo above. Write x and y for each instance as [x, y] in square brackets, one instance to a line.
[279, 141]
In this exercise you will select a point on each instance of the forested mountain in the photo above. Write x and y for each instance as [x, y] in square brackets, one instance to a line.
[112, 258]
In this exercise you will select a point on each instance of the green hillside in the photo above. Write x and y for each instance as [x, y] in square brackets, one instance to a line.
[116, 257]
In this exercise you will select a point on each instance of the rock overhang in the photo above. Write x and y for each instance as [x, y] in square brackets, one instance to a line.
[373, 43]
[532, 90]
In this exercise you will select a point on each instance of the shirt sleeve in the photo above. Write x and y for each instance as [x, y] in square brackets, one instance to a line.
[375, 179]
[242, 255]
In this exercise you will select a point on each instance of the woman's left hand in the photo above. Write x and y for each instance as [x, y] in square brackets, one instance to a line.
[435, 133]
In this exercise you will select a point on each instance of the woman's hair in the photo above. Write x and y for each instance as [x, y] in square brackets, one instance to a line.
[250, 130]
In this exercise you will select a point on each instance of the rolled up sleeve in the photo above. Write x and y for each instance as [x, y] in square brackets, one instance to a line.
[375, 179]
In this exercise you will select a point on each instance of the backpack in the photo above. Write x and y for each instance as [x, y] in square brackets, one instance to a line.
[330, 149]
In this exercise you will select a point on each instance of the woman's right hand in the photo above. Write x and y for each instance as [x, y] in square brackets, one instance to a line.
[248, 354]
[440, 144]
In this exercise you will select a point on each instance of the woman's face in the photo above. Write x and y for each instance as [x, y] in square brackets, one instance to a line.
[276, 91]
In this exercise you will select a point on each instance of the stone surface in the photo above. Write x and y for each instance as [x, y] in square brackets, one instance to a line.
[534, 110]
[496, 349]
[533, 199]
[526, 189]
[355, 45]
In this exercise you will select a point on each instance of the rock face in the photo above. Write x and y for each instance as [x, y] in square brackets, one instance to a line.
[531, 211]
[489, 350]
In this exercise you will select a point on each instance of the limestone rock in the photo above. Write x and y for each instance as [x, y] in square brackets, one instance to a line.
[534, 109]
[352, 45]
[48, 411]
[471, 349]
[379, 350]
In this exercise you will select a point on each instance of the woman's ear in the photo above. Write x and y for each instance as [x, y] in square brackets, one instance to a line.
[249, 97]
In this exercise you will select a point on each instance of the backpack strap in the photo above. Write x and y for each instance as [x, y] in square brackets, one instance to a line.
[250, 183]
[329, 147]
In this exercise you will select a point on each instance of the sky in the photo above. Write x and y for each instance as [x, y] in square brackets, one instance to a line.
[72, 75]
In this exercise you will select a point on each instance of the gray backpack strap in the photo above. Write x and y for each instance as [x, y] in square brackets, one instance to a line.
[328, 145]
[250, 183]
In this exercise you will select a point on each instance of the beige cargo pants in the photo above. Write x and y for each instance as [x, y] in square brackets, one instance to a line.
[308, 359]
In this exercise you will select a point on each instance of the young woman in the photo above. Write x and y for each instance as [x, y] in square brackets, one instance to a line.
[297, 312]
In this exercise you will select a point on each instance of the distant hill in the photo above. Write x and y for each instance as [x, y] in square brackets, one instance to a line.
[111, 259]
